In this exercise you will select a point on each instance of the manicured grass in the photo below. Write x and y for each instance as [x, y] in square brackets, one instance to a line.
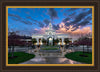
[21, 57]
[49, 48]
[76, 56]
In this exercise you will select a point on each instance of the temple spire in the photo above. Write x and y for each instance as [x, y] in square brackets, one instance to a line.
[50, 25]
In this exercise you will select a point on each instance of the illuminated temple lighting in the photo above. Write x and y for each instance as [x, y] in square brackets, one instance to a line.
[50, 39]
[50, 34]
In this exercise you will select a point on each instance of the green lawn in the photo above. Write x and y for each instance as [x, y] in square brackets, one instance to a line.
[49, 48]
[76, 56]
[21, 57]
[45, 46]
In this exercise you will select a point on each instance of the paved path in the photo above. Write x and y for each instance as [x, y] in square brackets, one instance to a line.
[57, 58]
[50, 60]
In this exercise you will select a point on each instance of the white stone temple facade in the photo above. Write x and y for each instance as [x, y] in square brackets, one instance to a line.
[50, 34]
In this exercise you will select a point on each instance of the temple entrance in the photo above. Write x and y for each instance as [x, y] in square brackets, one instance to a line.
[50, 41]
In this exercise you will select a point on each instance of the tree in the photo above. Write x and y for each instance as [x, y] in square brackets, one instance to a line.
[83, 41]
[43, 41]
[34, 40]
[89, 40]
[75, 43]
[13, 40]
[56, 40]
[66, 40]
[88, 43]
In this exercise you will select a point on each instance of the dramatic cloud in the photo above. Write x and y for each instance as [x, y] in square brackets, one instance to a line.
[18, 18]
[40, 31]
[56, 27]
[81, 16]
[89, 18]
[15, 16]
[52, 12]
[25, 21]
[46, 21]
[72, 21]
[63, 30]
[65, 20]
[73, 9]
[29, 17]
[72, 15]
[40, 24]
[81, 19]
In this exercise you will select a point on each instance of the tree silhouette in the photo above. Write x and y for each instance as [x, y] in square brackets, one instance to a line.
[66, 40]
[14, 40]
[43, 41]
[84, 41]
[34, 40]
[56, 41]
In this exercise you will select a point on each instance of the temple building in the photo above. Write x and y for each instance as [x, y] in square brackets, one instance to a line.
[49, 35]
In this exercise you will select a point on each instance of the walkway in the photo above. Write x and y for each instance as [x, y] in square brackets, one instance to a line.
[55, 57]
[50, 60]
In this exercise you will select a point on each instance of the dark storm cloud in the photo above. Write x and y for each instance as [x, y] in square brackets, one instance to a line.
[81, 19]
[14, 19]
[40, 24]
[18, 18]
[13, 15]
[66, 19]
[46, 21]
[73, 9]
[75, 28]
[73, 14]
[56, 27]
[83, 23]
[89, 18]
[29, 17]
[26, 22]
[67, 24]
[67, 28]
[90, 11]
[52, 12]
[81, 16]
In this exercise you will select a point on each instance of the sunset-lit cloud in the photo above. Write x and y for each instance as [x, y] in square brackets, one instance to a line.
[63, 29]
[69, 29]
[30, 21]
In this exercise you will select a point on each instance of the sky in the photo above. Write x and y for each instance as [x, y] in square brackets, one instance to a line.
[30, 21]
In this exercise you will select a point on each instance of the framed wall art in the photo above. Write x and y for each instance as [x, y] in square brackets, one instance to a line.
[49, 35]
